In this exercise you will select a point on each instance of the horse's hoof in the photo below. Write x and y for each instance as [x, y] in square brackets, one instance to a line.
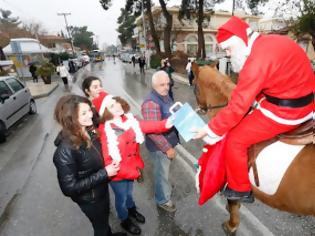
[227, 231]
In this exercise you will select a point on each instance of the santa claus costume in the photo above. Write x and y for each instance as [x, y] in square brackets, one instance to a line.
[121, 138]
[277, 76]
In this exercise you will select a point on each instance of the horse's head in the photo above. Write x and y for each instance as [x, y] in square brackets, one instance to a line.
[212, 89]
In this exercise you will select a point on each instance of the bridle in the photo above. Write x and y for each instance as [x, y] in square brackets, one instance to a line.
[208, 107]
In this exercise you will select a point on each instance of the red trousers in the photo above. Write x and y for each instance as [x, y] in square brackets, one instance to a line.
[253, 128]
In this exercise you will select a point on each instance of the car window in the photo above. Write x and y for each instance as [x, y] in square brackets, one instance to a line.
[14, 84]
[4, 89]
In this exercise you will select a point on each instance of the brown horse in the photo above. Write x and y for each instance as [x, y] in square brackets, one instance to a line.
[213, 90]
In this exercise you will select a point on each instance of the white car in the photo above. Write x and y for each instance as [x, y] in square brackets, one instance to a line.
[15, 102]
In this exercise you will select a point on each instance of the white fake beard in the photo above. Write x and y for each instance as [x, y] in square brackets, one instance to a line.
[238, 57]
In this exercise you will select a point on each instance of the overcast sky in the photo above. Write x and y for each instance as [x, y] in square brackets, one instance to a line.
[83, 12]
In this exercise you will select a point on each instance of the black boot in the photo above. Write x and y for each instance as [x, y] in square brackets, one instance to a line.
[138, 216]
[231, 194]
[119, 234]
[131, 227]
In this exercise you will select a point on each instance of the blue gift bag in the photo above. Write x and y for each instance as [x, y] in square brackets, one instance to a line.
[185, 119]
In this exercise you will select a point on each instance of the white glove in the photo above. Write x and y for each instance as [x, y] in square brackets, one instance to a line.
[211, 137]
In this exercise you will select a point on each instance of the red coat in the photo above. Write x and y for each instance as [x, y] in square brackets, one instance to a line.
[276, 66]
[131, 160]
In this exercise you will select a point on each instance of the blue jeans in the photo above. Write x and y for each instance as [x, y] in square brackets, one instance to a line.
[161, 173]
[123, 197]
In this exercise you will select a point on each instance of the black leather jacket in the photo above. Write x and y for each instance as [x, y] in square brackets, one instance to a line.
[81, 172]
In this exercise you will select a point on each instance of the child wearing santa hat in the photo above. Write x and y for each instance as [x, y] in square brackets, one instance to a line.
[121, 135]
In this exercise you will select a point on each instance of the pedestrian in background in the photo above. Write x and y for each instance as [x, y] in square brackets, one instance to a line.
[64, 74]
[142, 63]
[33, 70]
[166, 66]
[121, 134]
[71, 67]
[161, 146]
[133, 59]
[81, 172]
[189, 72]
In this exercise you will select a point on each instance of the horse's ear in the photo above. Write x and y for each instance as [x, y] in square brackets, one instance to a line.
[195, 68]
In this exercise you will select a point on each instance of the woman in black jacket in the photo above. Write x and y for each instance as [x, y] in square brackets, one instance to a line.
[79, 162]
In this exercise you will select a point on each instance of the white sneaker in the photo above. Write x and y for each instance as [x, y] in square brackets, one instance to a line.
[168, 206]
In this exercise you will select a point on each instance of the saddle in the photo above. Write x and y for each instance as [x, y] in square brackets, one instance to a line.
[302, 135]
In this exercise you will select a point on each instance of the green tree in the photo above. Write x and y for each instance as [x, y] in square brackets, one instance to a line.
[305, 23]
[195, 9]
[82, 37]
[301, 14]
[167, 28]
[106, 4]
[126, 22]
[7, 19]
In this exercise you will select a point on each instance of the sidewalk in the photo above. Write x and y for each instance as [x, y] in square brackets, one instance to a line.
[39, 90]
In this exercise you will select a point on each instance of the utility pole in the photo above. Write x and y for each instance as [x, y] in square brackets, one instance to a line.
[144, 30]
[65, 14]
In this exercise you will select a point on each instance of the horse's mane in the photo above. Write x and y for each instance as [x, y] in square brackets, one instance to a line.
[215, 79]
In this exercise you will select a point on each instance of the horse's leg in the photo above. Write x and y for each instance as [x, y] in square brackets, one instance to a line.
[232, 224]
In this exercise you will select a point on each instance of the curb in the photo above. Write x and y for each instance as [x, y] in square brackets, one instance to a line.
[46, 94]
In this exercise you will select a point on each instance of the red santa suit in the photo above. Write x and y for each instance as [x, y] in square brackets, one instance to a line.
[276, 66]
[122, 143]
[121, 139]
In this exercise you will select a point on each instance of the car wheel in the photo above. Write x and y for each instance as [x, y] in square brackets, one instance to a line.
[2, 132]
[33, 108]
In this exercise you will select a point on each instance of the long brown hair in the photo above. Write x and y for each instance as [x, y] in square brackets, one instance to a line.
[108, 116]
[67, 115]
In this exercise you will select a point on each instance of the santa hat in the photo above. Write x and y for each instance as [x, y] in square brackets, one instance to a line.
[102, 101]
[233, 29]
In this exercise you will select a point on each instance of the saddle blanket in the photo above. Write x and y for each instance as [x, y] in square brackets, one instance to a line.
[272, 163]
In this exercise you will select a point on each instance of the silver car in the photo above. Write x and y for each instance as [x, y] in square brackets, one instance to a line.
[15, 102]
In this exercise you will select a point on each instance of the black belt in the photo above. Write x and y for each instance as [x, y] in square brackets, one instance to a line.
[296, 102]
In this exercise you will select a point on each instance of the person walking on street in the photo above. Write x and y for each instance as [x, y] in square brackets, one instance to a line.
[121, 135]
[33, 70]
[71, 66]
[81, 172]
[64, 74]
[141, 64]
[189, 72]
[275, 75]
[166, 66]
[133, 59]
[161, 146]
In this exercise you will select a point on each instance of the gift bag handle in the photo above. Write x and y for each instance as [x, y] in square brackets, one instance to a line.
[175, 105]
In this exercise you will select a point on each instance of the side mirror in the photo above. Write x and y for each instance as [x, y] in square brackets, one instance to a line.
[4, 97]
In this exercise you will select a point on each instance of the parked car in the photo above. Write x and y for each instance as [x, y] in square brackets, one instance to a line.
[15, 102]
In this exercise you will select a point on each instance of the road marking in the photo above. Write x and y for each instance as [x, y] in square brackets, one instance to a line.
[250, 217]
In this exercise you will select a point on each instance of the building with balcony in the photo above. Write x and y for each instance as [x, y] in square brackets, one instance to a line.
[184, 35]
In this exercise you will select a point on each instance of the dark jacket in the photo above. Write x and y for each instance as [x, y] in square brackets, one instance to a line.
[81, 172]
[164, 104]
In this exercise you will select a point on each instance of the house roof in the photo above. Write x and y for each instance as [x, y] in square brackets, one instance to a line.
[26, 46]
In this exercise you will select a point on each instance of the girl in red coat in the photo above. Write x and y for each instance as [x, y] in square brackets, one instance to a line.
[121, 135]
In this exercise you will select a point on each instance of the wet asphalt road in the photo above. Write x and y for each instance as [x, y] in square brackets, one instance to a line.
[37, 207]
